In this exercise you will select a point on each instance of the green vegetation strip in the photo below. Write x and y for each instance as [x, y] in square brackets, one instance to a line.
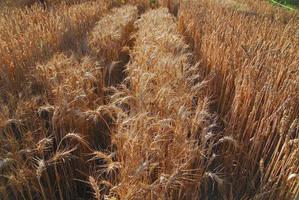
[287, 6]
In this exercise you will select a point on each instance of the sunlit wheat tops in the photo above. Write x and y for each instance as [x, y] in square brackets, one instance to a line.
[109, 40]
[112, 32]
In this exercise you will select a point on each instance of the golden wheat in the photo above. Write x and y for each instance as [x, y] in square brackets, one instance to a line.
[195, 100]
[254, 88]
[163, 124]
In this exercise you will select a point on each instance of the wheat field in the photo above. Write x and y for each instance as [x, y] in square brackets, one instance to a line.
[149, 99]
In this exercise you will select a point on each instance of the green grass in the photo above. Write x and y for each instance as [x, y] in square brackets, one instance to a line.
[288, 4]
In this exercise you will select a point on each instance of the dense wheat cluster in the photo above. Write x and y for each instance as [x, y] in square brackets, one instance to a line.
[143, 99]
[255, 90]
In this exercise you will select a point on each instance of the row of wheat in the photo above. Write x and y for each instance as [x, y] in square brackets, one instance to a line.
[51, 132]
[253, 60]
[162, 133]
